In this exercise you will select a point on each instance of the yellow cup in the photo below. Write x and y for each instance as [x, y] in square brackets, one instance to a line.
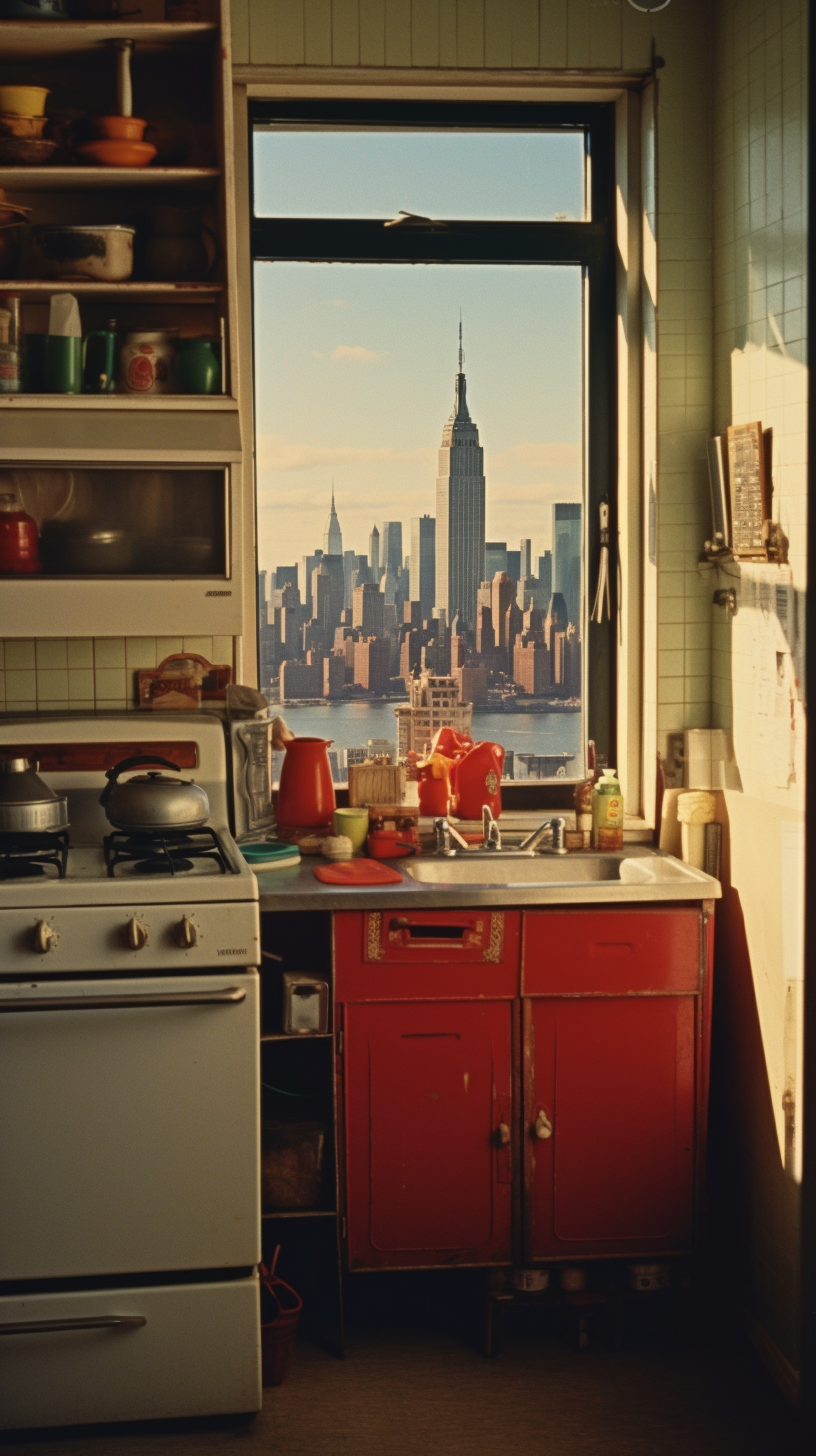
[354, 824]
[23, 100]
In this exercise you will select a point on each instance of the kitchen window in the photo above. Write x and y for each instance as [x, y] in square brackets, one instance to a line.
[434, 414]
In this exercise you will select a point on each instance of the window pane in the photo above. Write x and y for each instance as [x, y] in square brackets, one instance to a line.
[507, 175]
[416, 513]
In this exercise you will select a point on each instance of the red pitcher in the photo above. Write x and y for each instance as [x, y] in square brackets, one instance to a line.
[306, 792]
[477, 781]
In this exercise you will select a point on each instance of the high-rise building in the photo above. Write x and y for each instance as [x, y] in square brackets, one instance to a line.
[504, 592]
[262, 600]
[307, 566]
[422, 572]
[545, 576]
[368, 610]
[567, 557]
[372, 663]
[514, 565]
[526, 553]
[460, 510]
[391, 543]
[374, 555]
[495, 558]
[285, 576]
[350, 559]
[333, 536]
[433, 703]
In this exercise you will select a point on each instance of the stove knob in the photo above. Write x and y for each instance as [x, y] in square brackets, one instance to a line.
[44, 937]
[136, 934]
[186, 933]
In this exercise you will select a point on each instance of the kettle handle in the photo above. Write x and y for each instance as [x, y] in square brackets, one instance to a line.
[138, 761]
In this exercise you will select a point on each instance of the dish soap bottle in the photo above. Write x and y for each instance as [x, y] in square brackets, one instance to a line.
[607, 812]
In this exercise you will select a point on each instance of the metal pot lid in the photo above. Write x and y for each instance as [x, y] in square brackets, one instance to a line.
[161, 780]
[20, 784]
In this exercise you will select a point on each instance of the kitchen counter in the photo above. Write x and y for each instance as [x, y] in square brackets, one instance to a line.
[297, 889]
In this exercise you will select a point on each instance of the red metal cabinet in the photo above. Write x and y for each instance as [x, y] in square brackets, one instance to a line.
[428, 1133]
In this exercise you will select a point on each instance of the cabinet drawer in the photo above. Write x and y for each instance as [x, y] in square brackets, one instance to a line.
[610, 952]
[391, 955]
[130, 1354]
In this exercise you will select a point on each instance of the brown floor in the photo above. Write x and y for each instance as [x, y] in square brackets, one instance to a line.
[409, 1390]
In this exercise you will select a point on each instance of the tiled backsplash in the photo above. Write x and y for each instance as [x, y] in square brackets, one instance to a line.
[81, 674]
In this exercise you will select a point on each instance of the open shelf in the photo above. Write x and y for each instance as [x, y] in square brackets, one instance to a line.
[83, 179]
[120, 401]
[21, 39]
[301, 1213]
[33, 290]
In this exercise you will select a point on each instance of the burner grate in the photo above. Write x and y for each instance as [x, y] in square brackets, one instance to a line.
[30, 855]
[168, 852]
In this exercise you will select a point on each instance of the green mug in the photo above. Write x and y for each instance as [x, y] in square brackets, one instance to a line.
[354, 824]
[63, 365]
[99, 360]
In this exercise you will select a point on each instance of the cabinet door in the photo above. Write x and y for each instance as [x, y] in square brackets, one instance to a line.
[428, 1123]
[609, 1125]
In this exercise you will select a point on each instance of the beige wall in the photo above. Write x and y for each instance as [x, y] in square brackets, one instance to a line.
[759, 359]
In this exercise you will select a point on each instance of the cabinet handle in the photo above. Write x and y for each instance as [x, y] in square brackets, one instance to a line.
[543, 1127]
[503, 1135]
[91, 1322]
[399, 922]
[229, 996]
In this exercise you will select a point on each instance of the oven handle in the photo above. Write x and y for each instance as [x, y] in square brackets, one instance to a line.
[229, 996]
[90, 1322]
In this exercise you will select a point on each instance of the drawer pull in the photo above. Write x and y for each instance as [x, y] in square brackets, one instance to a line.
[503, 1135]
[543, 1128]
[90, 1322]
[226, 997]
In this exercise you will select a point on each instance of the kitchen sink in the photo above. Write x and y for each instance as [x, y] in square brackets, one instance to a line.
[512, 872]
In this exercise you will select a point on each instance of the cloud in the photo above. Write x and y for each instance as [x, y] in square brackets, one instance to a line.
[276, 452]
[351, 353]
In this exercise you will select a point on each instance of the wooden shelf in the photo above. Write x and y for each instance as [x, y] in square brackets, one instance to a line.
[84, 179]
[287, 1036]
[21, 39]
[34, 290]
[301, 1213]
[118, 402]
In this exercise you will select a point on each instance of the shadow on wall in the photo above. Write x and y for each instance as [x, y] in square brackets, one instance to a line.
[753, 1189]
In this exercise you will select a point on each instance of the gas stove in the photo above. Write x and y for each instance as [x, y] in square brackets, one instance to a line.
[97, 899]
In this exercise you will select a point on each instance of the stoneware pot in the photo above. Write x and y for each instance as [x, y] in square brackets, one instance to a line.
[103, 254]
[306, 793]
[146, 362]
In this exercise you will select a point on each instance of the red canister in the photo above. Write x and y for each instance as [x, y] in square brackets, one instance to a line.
[19, 539]
[306, 792]
[477, 781]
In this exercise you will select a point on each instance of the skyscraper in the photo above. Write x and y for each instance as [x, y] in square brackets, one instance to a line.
[567, 557]
[460, 510]
[526, 551]
[423, 563]
[545, 575]
[332, 536]
[495, 558]
[391, 541]
[374, 554]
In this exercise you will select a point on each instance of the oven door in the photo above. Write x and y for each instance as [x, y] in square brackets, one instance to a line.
[129, 1125]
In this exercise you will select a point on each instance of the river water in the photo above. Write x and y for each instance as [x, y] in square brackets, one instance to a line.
[350, 725]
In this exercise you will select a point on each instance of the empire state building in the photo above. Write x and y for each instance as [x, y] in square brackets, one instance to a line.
[460, 511]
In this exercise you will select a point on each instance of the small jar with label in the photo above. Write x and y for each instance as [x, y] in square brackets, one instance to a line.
[11, 374]
[607, 812]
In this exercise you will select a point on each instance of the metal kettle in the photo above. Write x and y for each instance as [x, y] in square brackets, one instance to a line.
[153, 801]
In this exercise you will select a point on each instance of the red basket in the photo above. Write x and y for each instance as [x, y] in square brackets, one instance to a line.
[280, 1311]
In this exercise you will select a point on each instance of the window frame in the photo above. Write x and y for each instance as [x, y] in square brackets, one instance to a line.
[590, 244]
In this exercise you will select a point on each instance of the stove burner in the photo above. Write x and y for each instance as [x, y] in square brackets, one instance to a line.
[26, 856]
[168, 852]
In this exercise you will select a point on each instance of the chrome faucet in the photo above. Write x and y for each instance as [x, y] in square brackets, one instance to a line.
[445, 835]
[490, 829]
[549, 836]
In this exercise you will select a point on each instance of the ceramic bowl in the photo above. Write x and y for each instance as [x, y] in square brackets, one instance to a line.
[25, 151]
[117, 153]
[23, 100]
[22, 126]
[102, 253]
[118, 128]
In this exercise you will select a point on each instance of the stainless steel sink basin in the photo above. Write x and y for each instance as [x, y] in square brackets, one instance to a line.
[571, 869]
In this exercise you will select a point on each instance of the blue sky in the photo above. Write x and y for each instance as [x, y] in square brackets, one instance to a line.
[355, 363]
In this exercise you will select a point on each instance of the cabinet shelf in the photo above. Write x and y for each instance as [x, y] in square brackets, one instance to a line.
[24, 39]
[38, 290]
[301, 1213]
[81, 179]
